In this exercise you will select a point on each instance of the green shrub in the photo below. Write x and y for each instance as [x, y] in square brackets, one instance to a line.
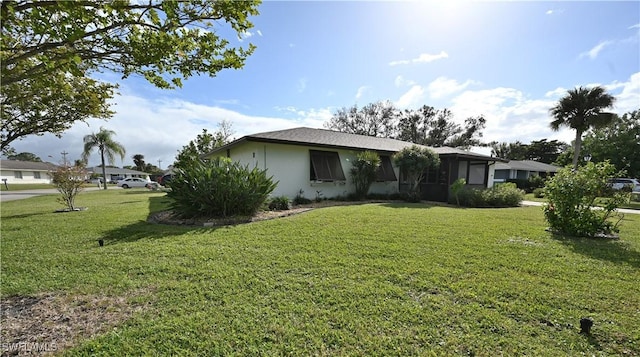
[572, 195]
[300, 199]
[364, 172]
[218, 187]
[528, 184]
[538, 192]
[502, 195]
[457, 187]
[280, 203]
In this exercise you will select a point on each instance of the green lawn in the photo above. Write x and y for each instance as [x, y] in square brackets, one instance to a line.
[375, 279]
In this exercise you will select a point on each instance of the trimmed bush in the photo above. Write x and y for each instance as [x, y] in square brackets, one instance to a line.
[219, 188]
[572, 194]
[502, 195]
[538, 192]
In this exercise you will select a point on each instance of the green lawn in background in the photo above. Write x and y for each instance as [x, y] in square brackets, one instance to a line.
[374, 279]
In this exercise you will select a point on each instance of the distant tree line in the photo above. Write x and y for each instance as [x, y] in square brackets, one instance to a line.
[425, 126]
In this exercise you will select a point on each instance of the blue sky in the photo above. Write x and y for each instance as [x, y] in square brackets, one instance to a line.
[508, 61]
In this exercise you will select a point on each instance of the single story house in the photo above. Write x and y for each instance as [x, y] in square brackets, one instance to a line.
[20, 172]
[522, 170]
[316, 162]
[116, 173]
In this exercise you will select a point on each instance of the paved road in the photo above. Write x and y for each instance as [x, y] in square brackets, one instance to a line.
[22, 194]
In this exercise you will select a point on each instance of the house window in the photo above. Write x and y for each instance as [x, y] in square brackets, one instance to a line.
[36, 174]
[17, 174]
[385, 170]
[432, 175]
[477, 173]
[462, 169]
[325, 166]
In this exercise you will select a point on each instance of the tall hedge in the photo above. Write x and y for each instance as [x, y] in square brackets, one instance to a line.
[219, 188]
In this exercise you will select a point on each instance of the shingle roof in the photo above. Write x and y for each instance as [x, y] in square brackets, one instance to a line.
[329, 138]
[27, 165]
[527, 165]
[115, 171]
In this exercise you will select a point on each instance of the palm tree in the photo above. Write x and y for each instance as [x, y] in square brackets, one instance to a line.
[138, 160]
[105, 144]
[581, 109]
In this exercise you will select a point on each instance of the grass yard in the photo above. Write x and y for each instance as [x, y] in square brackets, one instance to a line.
[374, 279]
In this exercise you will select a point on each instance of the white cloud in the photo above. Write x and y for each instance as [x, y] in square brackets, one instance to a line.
[511, 115]
[423, 58]
[361, 91]
[414, 97]
[558, 92]
[595, 51]
[302, 84]
[636, 26]
[554, 11]
[443, 86]
[401, 81]
[159, 128]
[247, 34]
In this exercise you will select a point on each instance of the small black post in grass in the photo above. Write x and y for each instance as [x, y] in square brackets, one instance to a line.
[585, 325]
[101, 242]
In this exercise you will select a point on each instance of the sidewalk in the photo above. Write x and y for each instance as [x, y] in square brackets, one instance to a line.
[539, 204]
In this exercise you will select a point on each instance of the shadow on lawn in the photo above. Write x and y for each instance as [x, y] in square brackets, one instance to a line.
[614, 251]
[147, 230]
[141, 230]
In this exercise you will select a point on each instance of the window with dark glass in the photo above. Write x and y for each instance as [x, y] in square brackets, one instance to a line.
[385, 170]
[325, 166]
[477, 172]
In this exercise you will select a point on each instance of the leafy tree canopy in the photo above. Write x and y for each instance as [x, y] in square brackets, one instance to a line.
[25, 156]
[619, 143]
[204, 144]
[374, 119]
[50, 48]
[538, 150]
[425, 126]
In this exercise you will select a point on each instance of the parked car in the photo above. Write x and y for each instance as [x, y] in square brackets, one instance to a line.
[165, 179]
[116, 179]
[130, 182]
[624, 184]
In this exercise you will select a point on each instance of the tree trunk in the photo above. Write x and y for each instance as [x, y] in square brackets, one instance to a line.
[104, 169]
[576, 149]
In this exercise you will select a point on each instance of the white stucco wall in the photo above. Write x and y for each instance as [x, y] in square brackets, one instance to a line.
[290, 165]
[27, 177]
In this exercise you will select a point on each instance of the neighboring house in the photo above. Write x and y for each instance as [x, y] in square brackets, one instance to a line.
[317, 162]
[116, 173]
[14, 171]
[522, 170]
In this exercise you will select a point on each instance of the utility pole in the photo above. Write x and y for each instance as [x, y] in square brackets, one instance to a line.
[64, 157]
[159, 162]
